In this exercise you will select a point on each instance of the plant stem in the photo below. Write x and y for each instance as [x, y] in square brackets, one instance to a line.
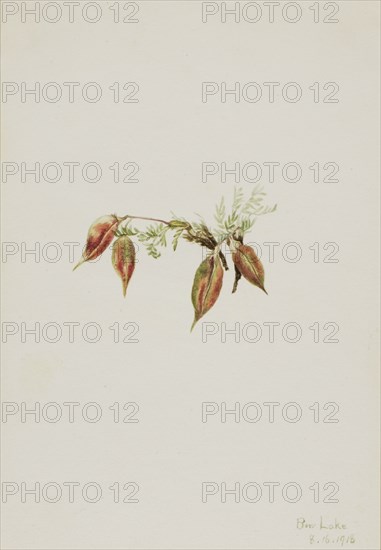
[143, 218]
[205, 239]
[223, 261]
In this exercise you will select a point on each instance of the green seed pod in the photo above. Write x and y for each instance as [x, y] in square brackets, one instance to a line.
[248, 264]
[174, 224]
[123, 259]
[207, 286]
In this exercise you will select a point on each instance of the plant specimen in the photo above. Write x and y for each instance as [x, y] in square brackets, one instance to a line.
[231, 228]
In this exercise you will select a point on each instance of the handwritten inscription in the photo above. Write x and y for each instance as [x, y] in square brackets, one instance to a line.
[301, 523]
[326, 531]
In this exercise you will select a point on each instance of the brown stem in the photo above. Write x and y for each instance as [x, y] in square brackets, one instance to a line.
[200, 239]
[144, 218]
[238, 275]
[223, 261]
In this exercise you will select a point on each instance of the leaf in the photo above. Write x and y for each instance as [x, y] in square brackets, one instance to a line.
[220, 214]
[176, 238]
[237, 199]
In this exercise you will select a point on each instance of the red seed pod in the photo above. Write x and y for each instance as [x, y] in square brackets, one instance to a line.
[248, 263]
[207, 286]
[123, 259]
[99, 237]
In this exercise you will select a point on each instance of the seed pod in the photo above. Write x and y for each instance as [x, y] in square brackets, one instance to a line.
[99, 236]
[207, 286]
[174, 224]
[123, 259]
[248, 263]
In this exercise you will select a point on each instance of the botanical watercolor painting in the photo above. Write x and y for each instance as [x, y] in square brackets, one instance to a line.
[230, 229]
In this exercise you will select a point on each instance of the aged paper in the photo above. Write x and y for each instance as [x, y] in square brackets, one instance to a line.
[121, 429]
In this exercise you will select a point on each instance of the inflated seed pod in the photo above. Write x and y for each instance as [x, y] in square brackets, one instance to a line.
[123, 259]
[248, 264]
[99, 237]
[207, 286]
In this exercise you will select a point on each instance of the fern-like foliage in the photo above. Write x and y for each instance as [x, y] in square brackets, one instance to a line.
[243, 213]
[127, 229]
[239, 220]
[220, 214]
[153, 237]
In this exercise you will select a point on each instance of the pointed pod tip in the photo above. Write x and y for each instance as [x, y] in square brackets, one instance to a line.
[81, 261]
[194, 324]
[264, 290]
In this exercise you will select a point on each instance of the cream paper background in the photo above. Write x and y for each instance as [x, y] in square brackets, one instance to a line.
[170, 372]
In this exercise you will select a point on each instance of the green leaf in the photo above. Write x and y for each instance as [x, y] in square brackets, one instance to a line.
[176, 238]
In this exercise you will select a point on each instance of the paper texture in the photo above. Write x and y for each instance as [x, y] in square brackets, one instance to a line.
[258, 430]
